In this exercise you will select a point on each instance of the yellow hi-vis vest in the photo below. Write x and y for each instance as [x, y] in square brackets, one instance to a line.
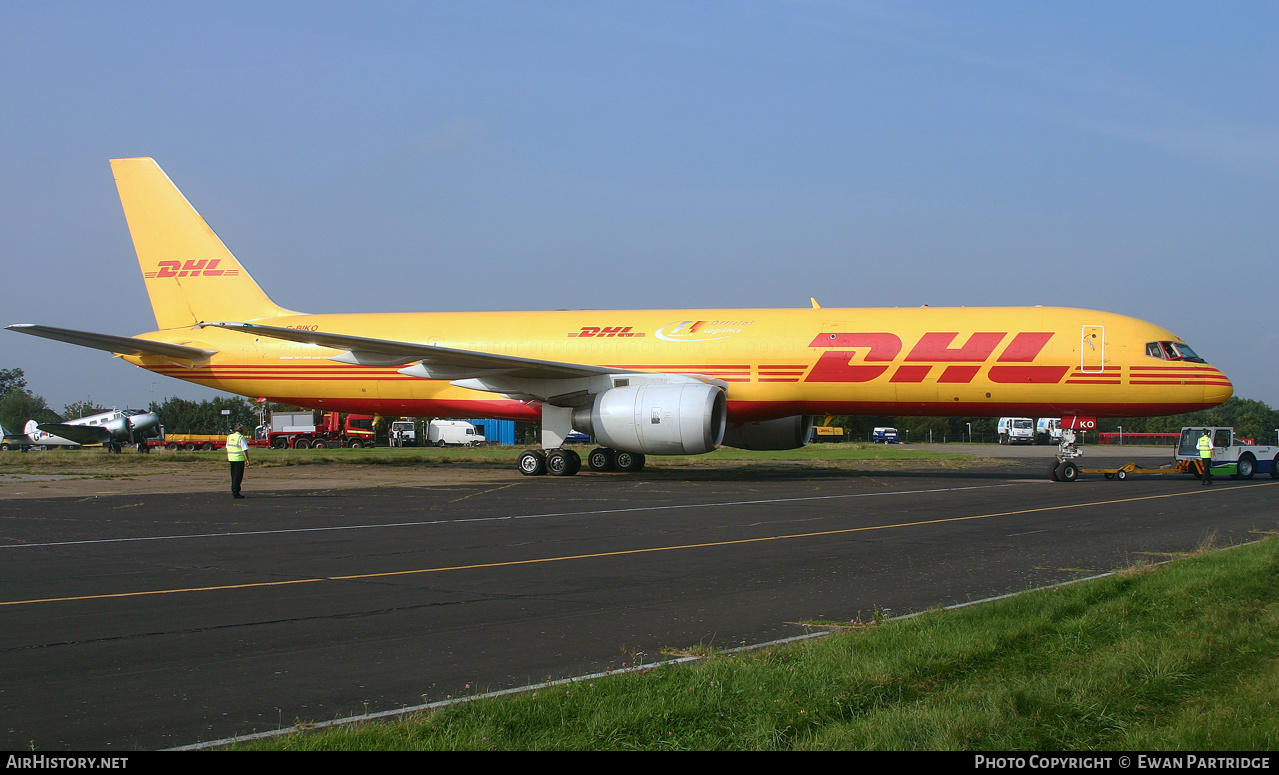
[235, 446]
[1205, 447]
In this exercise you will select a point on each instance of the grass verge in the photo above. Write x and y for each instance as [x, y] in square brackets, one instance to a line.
[97, 460]
[1179, 656]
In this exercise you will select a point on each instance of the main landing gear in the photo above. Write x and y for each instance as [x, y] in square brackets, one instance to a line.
[566, 462]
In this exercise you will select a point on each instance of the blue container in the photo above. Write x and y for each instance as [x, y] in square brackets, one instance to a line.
[496, 431]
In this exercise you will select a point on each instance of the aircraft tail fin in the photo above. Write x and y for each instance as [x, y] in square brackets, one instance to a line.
[190, 275]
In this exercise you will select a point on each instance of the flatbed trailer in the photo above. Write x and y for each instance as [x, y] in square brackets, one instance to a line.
[193, 441]
[1122, 473]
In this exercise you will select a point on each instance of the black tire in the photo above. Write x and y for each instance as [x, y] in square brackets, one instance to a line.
[439, 443]
[354, 444]
[1052, 470]
[207, 446]
[301, 444]
[1110, 476]
[563, 462]
[1247, 466]
[319, 444]
[1067, 471]
[1274, 468]
[189, 446]
[532, 462]
[280, 444]
[600, 459]
[1122, 475]
[627, 462]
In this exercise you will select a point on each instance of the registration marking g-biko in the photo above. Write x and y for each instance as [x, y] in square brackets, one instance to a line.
[625, 552]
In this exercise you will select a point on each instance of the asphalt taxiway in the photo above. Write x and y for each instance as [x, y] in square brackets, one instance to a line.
[150, 621]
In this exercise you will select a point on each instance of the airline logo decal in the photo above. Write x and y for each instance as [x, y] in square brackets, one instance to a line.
[959, 364]
[700, 330]
[623, 331]
[193, 268]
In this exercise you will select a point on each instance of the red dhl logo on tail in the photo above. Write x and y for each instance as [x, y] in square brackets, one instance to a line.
[206, 267]
[934, 349]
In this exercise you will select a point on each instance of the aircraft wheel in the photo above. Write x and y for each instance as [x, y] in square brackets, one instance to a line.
[1067, 471]
[600, 459]
[627, 462]
[1052, 470]
[1247, 466]
[563, 462]
[532, 462]
[1122, 475]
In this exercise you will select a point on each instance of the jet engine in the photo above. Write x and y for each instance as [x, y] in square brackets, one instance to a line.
[674, 419]
[784, 433]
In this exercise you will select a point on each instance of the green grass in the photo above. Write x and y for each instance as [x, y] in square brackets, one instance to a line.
[1182, 656]
[60, 461]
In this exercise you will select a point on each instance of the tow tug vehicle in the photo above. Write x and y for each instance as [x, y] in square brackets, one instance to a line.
[1232, 457]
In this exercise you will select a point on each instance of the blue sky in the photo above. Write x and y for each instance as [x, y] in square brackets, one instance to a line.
[546, 155]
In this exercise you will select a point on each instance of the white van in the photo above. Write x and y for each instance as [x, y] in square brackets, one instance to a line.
[455, 432]
[1016, 430]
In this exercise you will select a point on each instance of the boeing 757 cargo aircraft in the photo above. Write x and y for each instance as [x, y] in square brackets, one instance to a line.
[643, 382]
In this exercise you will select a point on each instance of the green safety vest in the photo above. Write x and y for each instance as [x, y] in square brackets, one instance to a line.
[234, 447]
[1205, 447]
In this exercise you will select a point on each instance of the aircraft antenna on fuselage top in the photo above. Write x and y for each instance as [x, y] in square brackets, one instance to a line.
[190, 275]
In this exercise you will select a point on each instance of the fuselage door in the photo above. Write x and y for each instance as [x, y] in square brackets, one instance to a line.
[1092, 350]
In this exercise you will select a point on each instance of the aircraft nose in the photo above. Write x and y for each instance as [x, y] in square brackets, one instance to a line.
[1218, 389]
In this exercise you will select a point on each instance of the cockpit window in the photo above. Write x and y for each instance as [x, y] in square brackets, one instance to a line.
[1172, 351]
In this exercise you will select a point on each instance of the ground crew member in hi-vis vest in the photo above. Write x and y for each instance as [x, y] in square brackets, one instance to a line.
[237, 453]
[1205, 456]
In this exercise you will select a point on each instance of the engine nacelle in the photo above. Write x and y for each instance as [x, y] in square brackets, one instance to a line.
[678, 419]
[785, 433]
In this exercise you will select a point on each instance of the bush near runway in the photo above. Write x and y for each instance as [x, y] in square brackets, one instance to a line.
[1183, 656]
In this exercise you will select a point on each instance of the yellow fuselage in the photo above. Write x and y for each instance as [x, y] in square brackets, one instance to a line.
[1021, 361]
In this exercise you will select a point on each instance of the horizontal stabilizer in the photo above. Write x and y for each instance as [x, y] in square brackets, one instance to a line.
[80, 434]
[457, 363]
[121, 345]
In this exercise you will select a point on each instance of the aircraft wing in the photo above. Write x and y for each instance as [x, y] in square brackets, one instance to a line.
[80, 434]
[439, 362]
[121, 345]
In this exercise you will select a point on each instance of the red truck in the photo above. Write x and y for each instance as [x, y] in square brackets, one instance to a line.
[300, 430]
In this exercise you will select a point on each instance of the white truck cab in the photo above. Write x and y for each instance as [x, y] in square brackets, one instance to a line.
[1016, 430]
